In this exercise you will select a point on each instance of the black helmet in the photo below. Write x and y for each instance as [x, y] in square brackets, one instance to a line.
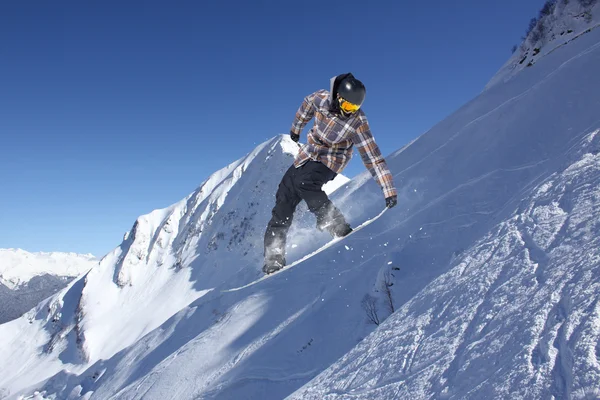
[352, 90]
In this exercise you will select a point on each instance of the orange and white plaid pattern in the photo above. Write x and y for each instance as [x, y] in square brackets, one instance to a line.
[333, 136]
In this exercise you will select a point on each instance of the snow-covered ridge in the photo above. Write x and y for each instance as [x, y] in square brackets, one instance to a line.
[565, 21]
[17, 266]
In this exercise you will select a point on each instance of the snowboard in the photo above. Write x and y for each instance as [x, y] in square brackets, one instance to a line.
[325, 246]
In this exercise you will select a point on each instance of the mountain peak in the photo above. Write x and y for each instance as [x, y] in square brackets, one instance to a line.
[18, 266]
[558, 23]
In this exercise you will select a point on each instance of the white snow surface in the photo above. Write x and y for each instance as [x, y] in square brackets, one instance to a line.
[18, 267]
[491, 261]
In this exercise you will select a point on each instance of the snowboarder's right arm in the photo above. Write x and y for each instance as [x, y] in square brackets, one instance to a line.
[304, 114]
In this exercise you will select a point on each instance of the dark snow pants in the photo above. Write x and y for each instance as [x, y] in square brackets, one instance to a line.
[302, 183]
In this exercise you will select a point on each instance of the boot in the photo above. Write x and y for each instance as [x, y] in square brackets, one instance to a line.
[330, 219]
[340, 230]
[273, 263]
[337, 229]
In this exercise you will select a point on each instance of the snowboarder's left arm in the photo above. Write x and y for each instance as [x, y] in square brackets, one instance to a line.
[372, 158]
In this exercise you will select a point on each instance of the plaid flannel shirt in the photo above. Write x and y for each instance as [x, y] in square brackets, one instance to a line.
[331, 138]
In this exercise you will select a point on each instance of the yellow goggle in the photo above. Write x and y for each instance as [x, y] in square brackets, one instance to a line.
[348, 107]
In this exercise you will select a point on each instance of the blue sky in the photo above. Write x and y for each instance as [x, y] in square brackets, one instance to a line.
[111, 109]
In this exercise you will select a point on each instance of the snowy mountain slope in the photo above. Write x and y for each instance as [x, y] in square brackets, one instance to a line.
[28, 278]
[560, 24]
[169, 258]
[516, 316]
[492, 254]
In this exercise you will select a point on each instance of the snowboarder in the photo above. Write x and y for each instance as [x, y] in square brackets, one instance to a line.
[339, 125]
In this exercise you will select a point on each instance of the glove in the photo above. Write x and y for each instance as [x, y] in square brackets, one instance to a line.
[391, 201]
[294, 137]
